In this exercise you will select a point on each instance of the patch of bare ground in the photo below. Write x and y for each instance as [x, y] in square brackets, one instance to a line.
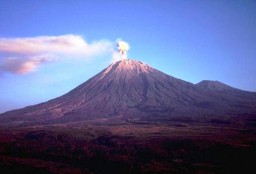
[128, 148]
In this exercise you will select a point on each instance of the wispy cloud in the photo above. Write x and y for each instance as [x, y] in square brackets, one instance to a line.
[24, 55]
[24, 65]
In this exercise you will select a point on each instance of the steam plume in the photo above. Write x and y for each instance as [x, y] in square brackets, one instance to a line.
[121, 53]
[123, 47]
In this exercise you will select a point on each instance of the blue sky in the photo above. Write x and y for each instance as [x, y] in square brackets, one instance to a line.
[192, 40]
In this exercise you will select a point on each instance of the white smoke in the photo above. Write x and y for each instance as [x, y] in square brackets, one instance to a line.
[121, 53]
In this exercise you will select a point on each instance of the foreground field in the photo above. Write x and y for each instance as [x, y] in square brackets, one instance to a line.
[129, 148]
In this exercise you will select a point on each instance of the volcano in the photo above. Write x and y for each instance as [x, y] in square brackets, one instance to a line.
[130, 90]
[132, 118]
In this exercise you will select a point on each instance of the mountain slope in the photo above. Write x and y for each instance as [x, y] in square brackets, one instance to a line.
[132, 89]
[214, 85]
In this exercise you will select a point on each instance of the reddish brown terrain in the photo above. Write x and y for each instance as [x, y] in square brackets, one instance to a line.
[132, 118]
